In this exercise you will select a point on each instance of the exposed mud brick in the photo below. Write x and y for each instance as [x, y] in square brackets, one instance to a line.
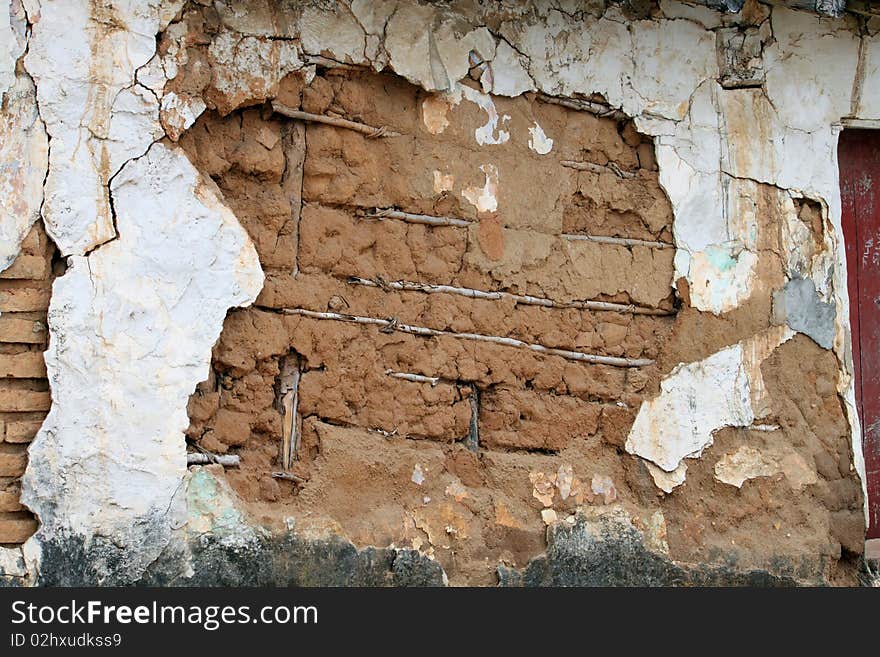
[619, 207]
[306, 192]
[9, 497]
[231, 428]
[14, 328]
[21, 431]
[439, 145]
[35, 258]
[410, 409]
[564, 328]
[615, 423]
[203, 405]
[25, 365]
[352, 347]
[28, 267]
[23, 298]
[551, 266]
[248, 337]
[336, 242]
[13, 460]
[16, 527]
[14, 400]
[256, 164]
[552, 430]
[522, 419]
[25, 290]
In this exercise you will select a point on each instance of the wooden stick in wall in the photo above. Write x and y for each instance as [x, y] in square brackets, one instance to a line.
[204, 458]
[391, 325]
[622, 241]
[371, 132]
[424, 219]
[599, 109]
[289, 391]
[598, 168]
[524, 299]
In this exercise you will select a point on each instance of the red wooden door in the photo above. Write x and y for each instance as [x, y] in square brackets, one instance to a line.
[859, 156]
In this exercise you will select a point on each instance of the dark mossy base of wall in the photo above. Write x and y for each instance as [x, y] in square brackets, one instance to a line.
[612, 554]
[589, 552]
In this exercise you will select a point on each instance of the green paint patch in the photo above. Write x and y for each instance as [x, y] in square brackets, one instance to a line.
[205, 499]
[721, 258]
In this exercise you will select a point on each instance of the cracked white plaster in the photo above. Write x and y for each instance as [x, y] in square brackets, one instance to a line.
[133, 325]
[248, 69]
[723, 275]
[177, 113]
[83, 57]
[12, 563]
[697, 399]
[667, 481]
[492, 131]
[429, 51]
[13, 41]
[867, 104]
[317, 24]
[509, 73]
[24, 145]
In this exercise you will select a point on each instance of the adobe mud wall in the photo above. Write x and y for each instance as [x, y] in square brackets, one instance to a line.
[549, 293]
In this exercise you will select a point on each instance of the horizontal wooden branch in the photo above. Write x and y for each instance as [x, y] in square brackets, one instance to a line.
[289, 476]
[415, 378]
[526, 300]
[600, 110]
[368, 130]
[392, 324]
[326, 62]
[598, 168]
[204, 458]
[425, 219]
[763, 427]
[621, 241]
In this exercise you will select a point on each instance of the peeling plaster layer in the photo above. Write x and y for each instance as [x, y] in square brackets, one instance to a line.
[538, 141]
[132, 326]
[697, 399]
[748, 462]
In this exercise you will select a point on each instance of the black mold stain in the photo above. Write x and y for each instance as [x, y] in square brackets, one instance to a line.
[607, 551]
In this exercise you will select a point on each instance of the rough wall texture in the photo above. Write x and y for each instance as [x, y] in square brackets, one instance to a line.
[448, 369]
